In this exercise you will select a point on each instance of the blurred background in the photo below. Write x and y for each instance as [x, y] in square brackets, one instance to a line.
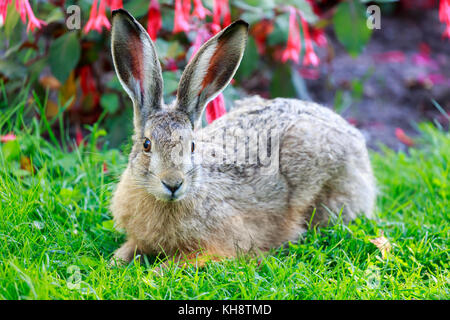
[383, 65]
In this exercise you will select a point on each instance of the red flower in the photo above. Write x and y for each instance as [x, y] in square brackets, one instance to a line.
[310, 56]
[90, 25]
[319, 37]
[186, 9]
[154, 23]
[199, 10]
[3, 10]
[403, 138]
[97, 20]
[115, 4]
[293, 48]
[203, 35]
[8, 137]
[444, 16]
[260, 31]
[87, 83]
[221, 8]
[102, 20]
[78, 135]
[180, 23]
[215, 109]
[24, 9]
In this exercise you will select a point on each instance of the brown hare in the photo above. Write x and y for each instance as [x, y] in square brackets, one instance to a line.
[251, 180]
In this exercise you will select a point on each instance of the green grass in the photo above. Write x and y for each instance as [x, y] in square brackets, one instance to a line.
[56, 233]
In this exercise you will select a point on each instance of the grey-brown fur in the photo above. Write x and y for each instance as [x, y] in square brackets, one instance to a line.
[230, 200]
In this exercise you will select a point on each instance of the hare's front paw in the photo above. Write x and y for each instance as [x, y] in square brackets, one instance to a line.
[124, 254]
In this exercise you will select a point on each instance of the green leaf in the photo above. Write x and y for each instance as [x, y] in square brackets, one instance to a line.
[170, 80]
[304, 6]
[351, 28]
[12, 17]
[110, 102]
[64, 55]
[250, 60]
[280, 31]
[281, 85]
[11, 150]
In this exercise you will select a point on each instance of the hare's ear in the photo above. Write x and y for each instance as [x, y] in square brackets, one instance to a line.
[136, 65]
[211, 69]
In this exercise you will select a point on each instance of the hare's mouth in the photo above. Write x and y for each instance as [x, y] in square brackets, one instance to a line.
[172, 196]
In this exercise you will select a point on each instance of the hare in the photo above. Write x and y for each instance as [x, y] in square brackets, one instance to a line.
[252, 180]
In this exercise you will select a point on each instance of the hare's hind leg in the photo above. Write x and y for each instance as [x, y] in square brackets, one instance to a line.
[352, 191]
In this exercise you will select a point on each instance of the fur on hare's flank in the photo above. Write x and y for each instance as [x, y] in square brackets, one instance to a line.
[186, 190]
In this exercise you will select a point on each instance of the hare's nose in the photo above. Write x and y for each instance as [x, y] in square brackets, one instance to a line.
[173, 186]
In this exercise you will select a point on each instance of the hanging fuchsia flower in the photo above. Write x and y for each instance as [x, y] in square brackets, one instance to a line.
[293, 48]
[186, 9]
[260, 31]
[318, 35]
[24, 9]
[199, 10]
[203, 35]
[3, 10]
[226, 13]
[180, 23]
[310, 56]
[97, 20]
[444, 16]
[215, 109]
[154, 23]
[221, 9]
[115, 4]
[101, 20]
[90, 25]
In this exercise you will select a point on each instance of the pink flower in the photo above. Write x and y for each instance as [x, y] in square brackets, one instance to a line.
[180, 23]
[444, 16]
[403, 138]
[3, 10]
[199, 10]
[154, 23]
[90, 25]
[221, 8]
[102, 20]
[202, 36]
[8, 137]
[97, 20]
[24, 9]
[293, 48]
[310, 56]
[215, 109]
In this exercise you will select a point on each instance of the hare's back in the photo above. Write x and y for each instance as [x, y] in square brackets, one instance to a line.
[259, 115]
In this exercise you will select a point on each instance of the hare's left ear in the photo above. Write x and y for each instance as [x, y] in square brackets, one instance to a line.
[211, 69]
[137, 65]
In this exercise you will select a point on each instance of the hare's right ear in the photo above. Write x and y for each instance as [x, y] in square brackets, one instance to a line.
[211, 69]
[136, 65]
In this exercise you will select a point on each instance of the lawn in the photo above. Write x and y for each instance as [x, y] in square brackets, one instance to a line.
[56, 232]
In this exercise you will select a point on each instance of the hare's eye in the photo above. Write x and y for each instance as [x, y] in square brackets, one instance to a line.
[147, 145]
[193, 147]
